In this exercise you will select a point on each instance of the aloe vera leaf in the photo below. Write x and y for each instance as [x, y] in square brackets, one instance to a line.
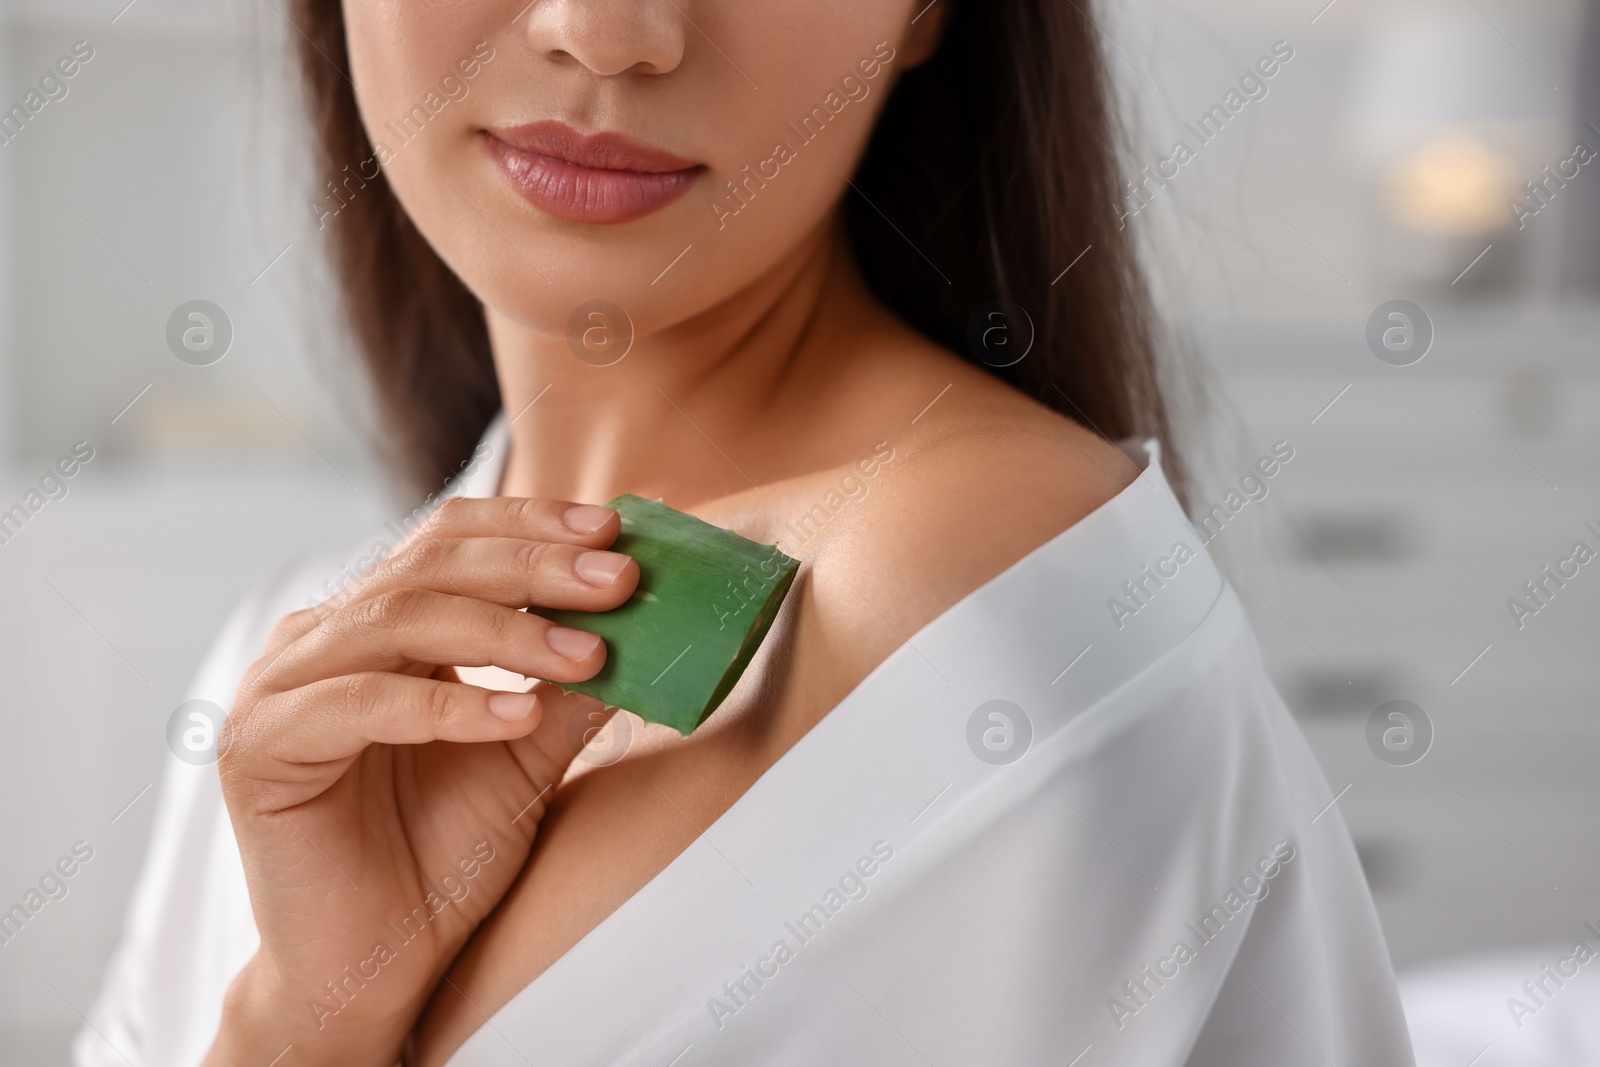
[705, 601]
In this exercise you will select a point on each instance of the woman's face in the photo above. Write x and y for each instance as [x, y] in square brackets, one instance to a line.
[657, 154]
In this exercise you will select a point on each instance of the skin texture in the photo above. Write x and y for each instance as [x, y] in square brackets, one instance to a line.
[761, 372]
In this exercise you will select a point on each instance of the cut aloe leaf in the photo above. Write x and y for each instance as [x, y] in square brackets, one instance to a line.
[706, 598]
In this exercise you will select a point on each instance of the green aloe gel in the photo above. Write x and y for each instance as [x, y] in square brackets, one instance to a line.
[706, 598]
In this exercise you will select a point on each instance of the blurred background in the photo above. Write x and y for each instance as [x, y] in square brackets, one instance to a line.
[1442, 153]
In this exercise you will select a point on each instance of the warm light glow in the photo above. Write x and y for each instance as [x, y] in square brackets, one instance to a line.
[1454, 185]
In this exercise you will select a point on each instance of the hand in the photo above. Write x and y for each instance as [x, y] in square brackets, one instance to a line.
[381, 806]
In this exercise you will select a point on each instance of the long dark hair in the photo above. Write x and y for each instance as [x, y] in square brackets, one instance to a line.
[996, 161]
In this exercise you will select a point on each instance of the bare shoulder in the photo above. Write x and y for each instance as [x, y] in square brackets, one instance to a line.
[942, 512]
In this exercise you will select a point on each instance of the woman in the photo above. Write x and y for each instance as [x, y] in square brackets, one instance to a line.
[1006, 784]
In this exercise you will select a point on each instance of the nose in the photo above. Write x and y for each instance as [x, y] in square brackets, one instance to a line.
[610, 36]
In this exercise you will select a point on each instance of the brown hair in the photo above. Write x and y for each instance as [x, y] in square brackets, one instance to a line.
[996, 159]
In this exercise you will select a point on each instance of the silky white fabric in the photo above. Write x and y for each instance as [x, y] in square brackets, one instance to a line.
[1153, 877]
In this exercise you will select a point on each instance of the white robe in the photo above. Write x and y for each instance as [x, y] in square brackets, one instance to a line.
[1154, 877]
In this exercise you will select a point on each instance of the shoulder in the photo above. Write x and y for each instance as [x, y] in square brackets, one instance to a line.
[961, 505]
[944, 511]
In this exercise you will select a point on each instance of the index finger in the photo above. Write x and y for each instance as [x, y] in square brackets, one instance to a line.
[530, 519]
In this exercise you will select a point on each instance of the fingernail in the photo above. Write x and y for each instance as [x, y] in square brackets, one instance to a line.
[512, 707]
[601, 568]
[573, 644]
[586, 518]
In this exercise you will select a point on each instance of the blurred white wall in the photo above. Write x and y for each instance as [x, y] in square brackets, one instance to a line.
[167, 173]
[1420, 498]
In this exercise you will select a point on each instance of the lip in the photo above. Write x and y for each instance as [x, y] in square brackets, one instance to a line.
[602, 177]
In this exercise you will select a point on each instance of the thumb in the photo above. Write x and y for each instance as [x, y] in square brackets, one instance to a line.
[575, 729]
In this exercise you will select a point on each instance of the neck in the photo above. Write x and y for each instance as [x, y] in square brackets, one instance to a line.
[690, 414]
